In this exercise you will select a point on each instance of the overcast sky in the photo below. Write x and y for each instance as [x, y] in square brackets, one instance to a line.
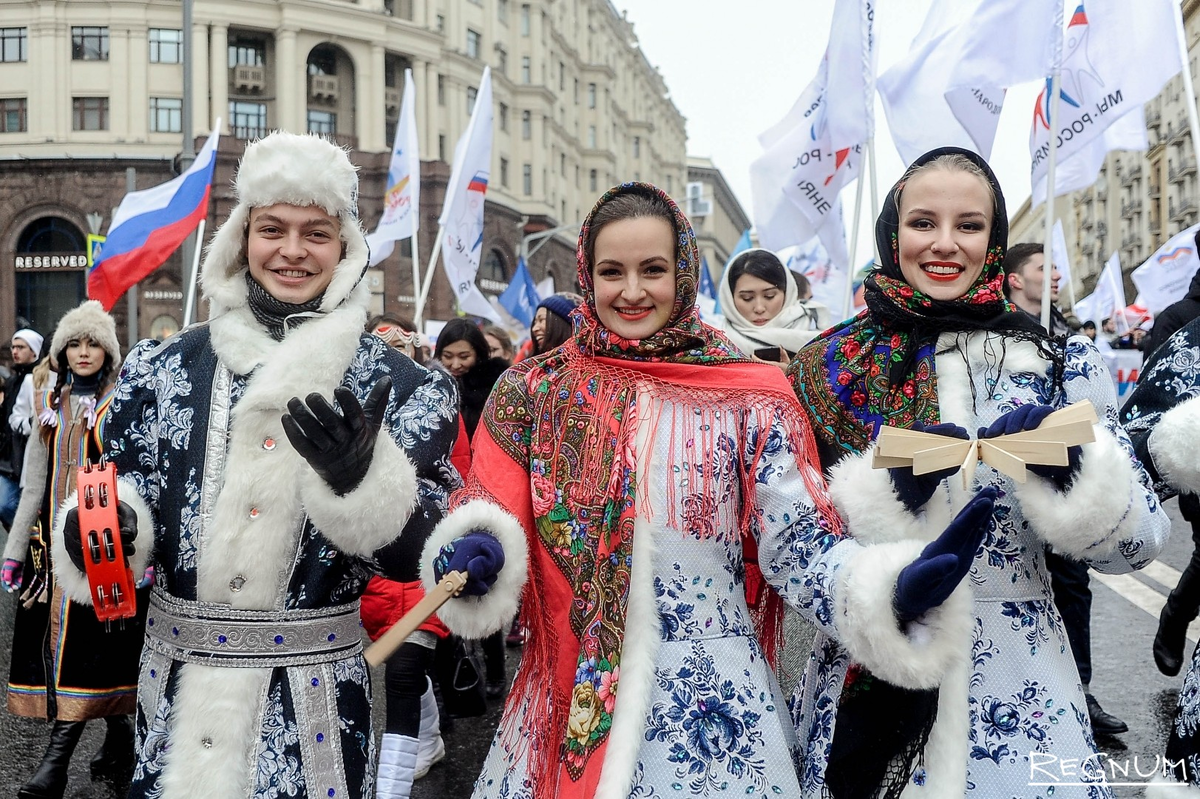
[735, 68]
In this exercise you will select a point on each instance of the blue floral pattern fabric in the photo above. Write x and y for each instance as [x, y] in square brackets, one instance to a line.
[162, 407]
[1025, 696]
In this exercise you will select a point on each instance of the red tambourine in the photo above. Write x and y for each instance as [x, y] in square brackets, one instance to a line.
[109, 576]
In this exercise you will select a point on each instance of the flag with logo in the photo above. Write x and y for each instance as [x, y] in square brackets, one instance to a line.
[462, 212]
[950, 88]
[816, 149]
[402, 202]
[1116, 57]
[521, 298]
[1165, 277]
[149, 225]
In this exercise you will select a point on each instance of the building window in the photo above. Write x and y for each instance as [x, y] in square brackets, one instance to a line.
[472, 93]
[577, 176]
[166, 46]
[474, 43]
[166, 115]
[504, 172]
[526, 69]
[527, 178]
[562, 164]
[89, 44]
[13, 44]
[322, 122]
[12, 115]
[591, 95]
[440, 24]
[527, 125]
[525, 19]
[90, 113]
[504, 117]
[593, 181]
[637, 146]
[575, 93]
[591, 137]
[248, 120]
[441, 89]
[562, 76]
[441, 147]
[247, 53]
[502, 11]
[501, 60]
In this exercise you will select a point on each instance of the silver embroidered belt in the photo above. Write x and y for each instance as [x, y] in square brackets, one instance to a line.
[218, 635]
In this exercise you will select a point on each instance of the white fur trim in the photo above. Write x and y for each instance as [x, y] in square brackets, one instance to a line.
[1097, 510]
[868, 628]
[872, 509]
[1163, 788]
[639, 647]
[946, 754]
[479, 616]
[72, 581]
[373, 514]
[213, 705]
[91, 320]
[1175, 446]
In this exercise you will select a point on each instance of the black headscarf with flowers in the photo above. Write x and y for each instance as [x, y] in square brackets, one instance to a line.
[878, 368]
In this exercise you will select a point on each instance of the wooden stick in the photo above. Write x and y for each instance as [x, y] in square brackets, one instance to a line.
[387, 644]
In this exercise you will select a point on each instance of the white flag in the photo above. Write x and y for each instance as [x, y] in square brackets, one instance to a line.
[827, 279]
[402, 202]
[1108, 299]
[950, 89]
[1059, 255]
[817, 148]
[1080, 169]
[462, 211]
[1116, 56]
[1166, 275]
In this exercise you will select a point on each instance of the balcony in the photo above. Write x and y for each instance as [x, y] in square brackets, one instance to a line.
[1130, 175]
[323, 88]
[1155, 191]
[1131, 208]
[247, 79]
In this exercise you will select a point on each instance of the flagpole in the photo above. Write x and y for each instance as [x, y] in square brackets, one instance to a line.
[874, 192]
[416, 276]
[1048, 248]
[194, 275]
[847, 299]
[1189, 90]
[437, 250]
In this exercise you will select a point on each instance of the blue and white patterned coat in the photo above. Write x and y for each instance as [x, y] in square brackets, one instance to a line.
[238, 520]
[1011, 709]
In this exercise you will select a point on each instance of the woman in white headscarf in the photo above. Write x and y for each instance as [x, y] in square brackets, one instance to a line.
[764, 315]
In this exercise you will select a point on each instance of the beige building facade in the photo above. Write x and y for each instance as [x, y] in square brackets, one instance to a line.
[716, 215]
[89, 89]
[1140, 199]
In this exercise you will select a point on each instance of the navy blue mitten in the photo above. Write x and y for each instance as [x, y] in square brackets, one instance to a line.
[1030, 417]
[477, 555]
[915, 490]
[930, 579]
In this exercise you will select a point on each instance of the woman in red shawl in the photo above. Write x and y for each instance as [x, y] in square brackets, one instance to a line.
[636, 479]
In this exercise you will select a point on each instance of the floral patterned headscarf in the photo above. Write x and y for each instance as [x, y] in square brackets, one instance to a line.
[684, 338]
[878, 368]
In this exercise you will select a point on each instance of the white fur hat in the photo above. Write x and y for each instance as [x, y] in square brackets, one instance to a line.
[299, 170]
[90, 320]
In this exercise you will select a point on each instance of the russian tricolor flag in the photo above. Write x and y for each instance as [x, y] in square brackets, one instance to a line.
[149, 225]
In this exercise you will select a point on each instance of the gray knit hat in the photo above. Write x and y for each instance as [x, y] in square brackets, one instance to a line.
[90, 320]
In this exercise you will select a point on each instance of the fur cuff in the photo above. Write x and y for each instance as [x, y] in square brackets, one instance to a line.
[479, 616]
[72, 581]
[867, 625]
[872, 509]
[1163, 788]
[371, 516]
[1095, 512]
[1174, 445]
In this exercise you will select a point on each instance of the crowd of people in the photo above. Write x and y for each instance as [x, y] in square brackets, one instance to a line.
[636, 498]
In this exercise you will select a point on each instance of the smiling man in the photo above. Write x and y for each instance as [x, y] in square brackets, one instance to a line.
[266, 513]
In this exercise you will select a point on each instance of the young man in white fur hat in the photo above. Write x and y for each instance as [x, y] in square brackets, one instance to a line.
[266, 513]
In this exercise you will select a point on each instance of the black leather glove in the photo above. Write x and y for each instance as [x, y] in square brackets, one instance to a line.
[1030, 417]
[127, 520]
[915, 490]
[339, 447]
[930, 579]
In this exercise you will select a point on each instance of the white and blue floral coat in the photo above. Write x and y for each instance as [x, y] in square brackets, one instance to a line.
[237, 520]
[1010, 700]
